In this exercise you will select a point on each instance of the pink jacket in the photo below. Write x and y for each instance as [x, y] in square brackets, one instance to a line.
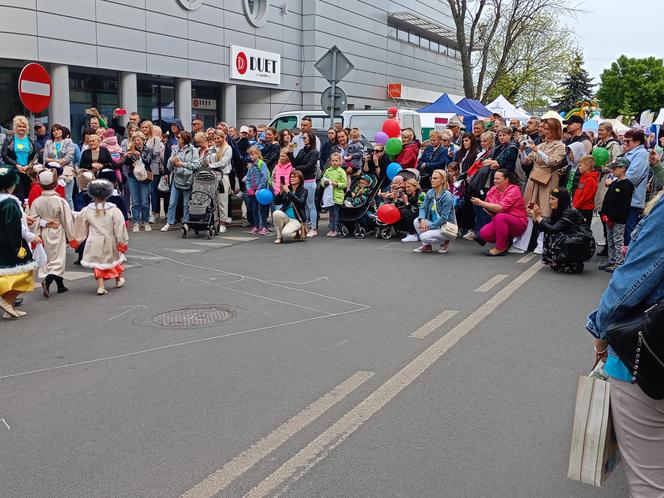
[279, 171]
[511, 200]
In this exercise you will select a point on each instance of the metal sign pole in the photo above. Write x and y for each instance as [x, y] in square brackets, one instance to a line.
[333, 86]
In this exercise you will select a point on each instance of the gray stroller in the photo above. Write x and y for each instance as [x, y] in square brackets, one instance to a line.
[203, 204]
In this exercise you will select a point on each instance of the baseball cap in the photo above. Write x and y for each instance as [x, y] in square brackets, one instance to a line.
[574, 119]
[620, 162]
[244, 129]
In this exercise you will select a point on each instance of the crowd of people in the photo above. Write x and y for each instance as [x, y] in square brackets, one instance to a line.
[520, 188]
[536, 187]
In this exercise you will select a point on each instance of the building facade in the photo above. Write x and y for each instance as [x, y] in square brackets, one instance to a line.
[242, 61]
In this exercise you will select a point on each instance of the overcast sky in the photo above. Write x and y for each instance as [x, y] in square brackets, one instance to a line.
[610, 28]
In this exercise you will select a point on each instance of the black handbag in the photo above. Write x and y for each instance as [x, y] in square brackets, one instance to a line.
[639, 342]
[578, 246]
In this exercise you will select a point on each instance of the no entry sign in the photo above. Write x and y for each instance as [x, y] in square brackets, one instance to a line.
[34, 87]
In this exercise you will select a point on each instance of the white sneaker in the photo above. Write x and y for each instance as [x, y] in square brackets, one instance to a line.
[539, 250]
[147, 227]
[470, 235]
[185, 227]
[410, 238]
[119, 282]
[222, 229]
[165, 227]
[152, 219]
[137, 228]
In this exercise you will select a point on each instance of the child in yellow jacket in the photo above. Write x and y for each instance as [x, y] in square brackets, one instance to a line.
[336, 177]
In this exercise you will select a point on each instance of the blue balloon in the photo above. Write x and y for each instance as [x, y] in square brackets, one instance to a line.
[393, 169]
[264, 196]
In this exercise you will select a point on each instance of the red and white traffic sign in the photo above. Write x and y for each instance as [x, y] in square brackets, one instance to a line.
[34, 87]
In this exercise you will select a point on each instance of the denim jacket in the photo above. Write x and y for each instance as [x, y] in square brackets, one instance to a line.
[640, 279]
[443, 206]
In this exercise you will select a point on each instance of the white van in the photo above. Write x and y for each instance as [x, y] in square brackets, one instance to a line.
[369, 122]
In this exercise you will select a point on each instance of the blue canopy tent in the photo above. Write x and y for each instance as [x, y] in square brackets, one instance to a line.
[475, 106]
[444, 105]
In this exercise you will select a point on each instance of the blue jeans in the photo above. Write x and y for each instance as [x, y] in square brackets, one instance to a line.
[335, 222]
[140, 200]
[69, 193]
[173, 204]
[256, 212]
[632, 221]
[481, 219]
[312, 214]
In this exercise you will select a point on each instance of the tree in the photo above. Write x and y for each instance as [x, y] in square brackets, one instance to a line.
[539, 59]
[632, 85]
[576, 86]
[486, 25]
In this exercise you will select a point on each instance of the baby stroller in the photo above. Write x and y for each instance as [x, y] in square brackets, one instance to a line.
[203, 204]
[360, 220]
[383, 230]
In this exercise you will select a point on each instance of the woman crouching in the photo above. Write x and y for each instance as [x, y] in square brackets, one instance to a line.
[102, 226]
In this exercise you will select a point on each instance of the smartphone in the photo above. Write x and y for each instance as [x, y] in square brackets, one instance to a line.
[120, 112]
[282, 179]
[88, 112]
[531, 205]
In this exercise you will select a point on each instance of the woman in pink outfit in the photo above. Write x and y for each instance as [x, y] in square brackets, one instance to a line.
[510, 219]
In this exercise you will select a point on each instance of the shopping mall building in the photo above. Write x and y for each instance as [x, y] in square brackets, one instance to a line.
[242, 61]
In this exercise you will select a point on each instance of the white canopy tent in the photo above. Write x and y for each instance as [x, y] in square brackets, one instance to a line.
[659, 120]
[503, 107]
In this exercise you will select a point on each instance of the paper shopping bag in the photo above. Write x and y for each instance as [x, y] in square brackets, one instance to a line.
[594, 453]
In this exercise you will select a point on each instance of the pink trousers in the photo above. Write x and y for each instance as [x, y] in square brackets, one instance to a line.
[503, 228]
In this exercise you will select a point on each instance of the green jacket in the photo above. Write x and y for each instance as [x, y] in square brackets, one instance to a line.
[336, 175]
[658, 171]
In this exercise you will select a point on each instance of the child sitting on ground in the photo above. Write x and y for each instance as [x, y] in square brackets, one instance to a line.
[103, 226]
[360, 192]
[584, 195]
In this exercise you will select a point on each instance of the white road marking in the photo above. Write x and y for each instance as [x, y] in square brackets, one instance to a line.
[433, 324]
[491, 283]
[311, 281]
[130, 308]
[220, 479]
[148, 258]
[525, 259]
[6, 424]
[238, 239]
[183, 251]
[77, 275]
[212, 244]
[320, 447]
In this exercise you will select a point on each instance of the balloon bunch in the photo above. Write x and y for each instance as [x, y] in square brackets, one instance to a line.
[389, 137]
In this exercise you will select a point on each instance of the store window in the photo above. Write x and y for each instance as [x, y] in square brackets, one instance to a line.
[156, 100]
[88, 90]
[205, 103]
[257, 11]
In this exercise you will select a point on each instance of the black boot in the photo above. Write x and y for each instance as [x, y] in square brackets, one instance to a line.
[61, 285]
[46, 284]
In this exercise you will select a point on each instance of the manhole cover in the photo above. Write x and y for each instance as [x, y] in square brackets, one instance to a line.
[194, 317]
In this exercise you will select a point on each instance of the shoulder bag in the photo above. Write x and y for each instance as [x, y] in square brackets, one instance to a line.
[140, 172]
[638, 340]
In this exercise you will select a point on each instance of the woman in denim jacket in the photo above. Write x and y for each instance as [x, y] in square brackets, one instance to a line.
[637, 418]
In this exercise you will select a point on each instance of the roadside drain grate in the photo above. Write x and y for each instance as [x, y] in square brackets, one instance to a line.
[194, 317]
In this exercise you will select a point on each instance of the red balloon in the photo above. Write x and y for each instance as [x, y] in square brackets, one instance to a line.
[389, 214]
[391, 127]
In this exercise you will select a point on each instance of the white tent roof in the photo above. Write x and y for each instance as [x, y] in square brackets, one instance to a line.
[659, 120]
[618, 126]
[503, 107]
[552, 114]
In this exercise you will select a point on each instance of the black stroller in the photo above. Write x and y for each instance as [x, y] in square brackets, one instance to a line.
[383, 230]
[203, 204]
[360, 220]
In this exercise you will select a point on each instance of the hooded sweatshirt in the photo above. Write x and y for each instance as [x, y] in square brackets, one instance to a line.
[279, 171]
[110, 142]
[578, 150]
[584, 195]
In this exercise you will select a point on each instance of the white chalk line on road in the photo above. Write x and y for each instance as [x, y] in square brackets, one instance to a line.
[222, 478]
[183, 343]
[320, 447]
[491, 283]
[433, 324]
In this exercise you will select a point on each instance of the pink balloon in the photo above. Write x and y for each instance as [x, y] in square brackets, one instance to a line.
[380, 137]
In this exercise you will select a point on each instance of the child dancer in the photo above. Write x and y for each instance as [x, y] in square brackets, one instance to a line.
[46, 209]
[102, 225]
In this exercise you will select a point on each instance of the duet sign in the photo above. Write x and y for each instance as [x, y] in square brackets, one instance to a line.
[249, 64]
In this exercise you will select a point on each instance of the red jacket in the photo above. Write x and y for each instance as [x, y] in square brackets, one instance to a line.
[36, 191]
[584, 196]
[408, 156]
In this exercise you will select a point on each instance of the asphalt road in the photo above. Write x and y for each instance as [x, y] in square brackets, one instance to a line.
[292, 370]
